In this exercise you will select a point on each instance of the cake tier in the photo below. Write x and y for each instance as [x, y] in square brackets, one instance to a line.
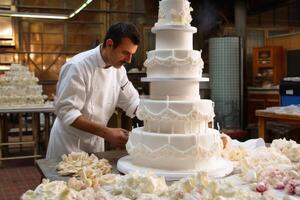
[18, 67]
[174, 88]
[22, 100]
[174, 151]
[20, 90]
[174, 12]
[176, 117]
[174, 63]
[20, 73]
[174, 37]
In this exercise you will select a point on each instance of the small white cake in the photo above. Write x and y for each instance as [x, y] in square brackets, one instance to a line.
[19, 87]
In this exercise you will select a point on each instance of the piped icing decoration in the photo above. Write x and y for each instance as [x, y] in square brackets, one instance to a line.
[192, 59]
[167, 113]
[169, 150]
[197, 151]
[174, 16]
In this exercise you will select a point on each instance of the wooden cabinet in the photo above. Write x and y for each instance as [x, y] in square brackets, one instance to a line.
[268, 66]
[260, 99]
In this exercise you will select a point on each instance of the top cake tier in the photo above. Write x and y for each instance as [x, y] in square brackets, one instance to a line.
[174, 12]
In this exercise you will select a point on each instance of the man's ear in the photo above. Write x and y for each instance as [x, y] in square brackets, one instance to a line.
[109, 43]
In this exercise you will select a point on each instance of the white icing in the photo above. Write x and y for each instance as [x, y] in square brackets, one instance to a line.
[171, 63]
[201, 186]
[47, 190]
[188, 117]
[261, 158]
[174, 12]
[288, 147]
[173, 152]
[75, 189]
[235, 153]
[133, 185]
[75, 162]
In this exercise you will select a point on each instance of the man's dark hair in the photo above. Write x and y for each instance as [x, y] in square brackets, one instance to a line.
[121, 30]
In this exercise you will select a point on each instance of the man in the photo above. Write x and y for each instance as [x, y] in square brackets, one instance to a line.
[90, 86]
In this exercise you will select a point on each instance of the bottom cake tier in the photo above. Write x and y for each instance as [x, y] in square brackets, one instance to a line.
[174, 151]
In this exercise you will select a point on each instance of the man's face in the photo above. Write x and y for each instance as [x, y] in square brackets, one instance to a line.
[123, 53]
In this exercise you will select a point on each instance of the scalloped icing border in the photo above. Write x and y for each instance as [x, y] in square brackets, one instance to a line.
[167, 113]
[172, 61]
[167, 150]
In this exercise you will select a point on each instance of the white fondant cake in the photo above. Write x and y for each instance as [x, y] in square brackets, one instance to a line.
[174, 37]
[184, 89]
[170, 63]
[19, 87]
[176, 136]
[176, 117]
[174, 12]
[174, 151]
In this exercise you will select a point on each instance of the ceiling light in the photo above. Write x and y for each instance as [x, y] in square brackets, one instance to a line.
[4, 67]
[37, 15]
[32, 15]
[80, 8]
[43, 15]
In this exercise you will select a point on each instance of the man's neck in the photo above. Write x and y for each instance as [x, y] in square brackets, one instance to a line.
[103, 53]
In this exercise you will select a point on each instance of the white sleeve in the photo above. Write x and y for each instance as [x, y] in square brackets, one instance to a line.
[70, 94]
[128, 97]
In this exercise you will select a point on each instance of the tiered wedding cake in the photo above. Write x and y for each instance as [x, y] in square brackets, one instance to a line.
[18, 87]
[175, 137]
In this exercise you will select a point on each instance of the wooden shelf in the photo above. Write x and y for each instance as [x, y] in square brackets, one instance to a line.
[268, 65]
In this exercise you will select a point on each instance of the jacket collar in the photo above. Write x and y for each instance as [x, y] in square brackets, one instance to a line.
[102, 64]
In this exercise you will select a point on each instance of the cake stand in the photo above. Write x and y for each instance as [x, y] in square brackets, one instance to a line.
[222, 168]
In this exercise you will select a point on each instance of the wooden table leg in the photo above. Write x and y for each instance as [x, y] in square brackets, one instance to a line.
[35, 133]
[21, 125]
[262, 127]
[47, 129]
[3, 136]
[1, 133]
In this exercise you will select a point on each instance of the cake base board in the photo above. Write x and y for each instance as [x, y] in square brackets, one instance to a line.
[224, 168]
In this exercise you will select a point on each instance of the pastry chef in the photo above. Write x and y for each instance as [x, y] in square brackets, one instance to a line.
[90, 86]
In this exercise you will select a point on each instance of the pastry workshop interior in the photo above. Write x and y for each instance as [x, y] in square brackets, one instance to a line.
[150, 100]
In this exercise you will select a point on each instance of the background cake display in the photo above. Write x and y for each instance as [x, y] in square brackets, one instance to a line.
[19, 87]
[175, 140]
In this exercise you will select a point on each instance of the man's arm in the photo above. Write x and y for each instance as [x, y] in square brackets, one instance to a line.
[116, 136]
[128, 97]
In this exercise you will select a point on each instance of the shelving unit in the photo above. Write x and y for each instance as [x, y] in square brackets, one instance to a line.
[268, 66]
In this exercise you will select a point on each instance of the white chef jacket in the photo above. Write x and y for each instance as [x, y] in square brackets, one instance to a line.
[87, 88]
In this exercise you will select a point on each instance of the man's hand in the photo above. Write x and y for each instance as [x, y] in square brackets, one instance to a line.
[116, 136]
